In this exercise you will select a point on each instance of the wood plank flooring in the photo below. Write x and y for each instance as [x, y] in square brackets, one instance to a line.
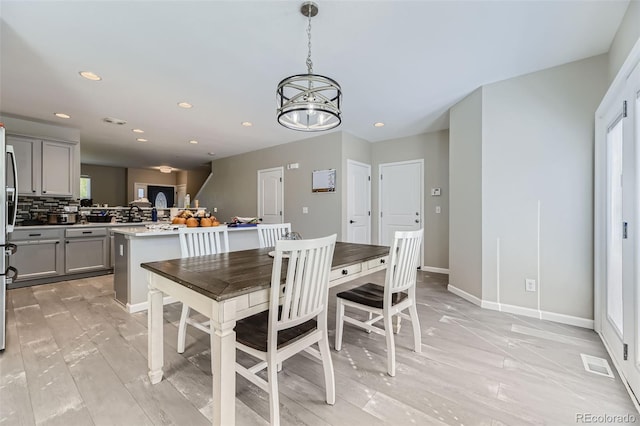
[75, 357]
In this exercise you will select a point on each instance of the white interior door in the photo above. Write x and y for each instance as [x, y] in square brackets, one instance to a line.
[620, 301]
[401, 198]
[271, 195]
[358, 202]
[181, 192]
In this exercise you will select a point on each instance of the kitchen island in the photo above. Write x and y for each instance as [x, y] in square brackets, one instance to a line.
[136, 245]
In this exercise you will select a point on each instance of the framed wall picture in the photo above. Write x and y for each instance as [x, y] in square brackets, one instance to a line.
[323, 180]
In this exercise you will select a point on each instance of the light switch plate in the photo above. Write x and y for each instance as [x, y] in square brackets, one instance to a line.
[435, 192]
[530, 285]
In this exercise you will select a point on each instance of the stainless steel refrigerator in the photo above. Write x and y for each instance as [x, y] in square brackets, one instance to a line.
[8, 211]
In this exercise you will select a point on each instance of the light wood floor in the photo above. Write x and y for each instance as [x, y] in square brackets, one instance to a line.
[75, 357]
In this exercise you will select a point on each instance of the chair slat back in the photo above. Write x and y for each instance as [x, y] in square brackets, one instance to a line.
[405, 256]
[268, 234]
[306, 288]
[202, 241]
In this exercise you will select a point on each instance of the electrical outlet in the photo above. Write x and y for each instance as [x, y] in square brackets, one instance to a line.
[530, 285]
[215, 210]
[438, 210]
[305, 210]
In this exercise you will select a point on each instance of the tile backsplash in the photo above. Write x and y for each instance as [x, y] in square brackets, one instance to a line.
[38, 207]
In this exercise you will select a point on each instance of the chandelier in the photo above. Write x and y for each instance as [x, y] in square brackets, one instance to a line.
[309, 102]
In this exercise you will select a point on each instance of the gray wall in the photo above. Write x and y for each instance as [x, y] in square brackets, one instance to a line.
[536, 165]
[626, 37]
[233, 187]
[465, 203]
[433, 148]
[108, 184]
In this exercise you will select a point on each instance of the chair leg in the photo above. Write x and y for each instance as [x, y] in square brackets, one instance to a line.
[279, 367]
[274, 400]
[370, 317]
[415, 325]
[182, 328]
[391, 348]
[327, 366]
[339, 323]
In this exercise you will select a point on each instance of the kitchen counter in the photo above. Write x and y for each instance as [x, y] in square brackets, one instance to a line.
[85, 225]
[136, 245]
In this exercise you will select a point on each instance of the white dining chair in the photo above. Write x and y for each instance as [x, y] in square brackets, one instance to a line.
[199, 242]
[269, 233]
[384, 302]
[296, 319]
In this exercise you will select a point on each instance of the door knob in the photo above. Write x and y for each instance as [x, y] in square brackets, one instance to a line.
[352, 221]
[417, 221]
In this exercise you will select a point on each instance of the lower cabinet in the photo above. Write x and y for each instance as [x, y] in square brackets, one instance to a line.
[38, 259]
[39, 253]
[86, 250]
[48, 255]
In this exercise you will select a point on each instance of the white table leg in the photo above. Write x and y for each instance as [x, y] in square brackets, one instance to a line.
[155, 335]
[223, 366]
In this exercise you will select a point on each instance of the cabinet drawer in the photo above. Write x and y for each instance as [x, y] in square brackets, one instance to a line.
[85, 232]
[345, 272]
[377, 262]
[34, 234]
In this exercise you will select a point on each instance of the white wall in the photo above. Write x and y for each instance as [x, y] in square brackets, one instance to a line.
[465, 204]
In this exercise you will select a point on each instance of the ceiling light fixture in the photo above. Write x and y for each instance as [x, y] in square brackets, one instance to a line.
[309, 102]
[142, 140]
[185, 105]
[165, 169]
[378, 124]
[137, 131]
[90, 75]
[247, 123]
[61, 115]
[193, 142]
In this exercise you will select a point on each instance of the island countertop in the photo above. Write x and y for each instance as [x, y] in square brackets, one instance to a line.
[137, 231]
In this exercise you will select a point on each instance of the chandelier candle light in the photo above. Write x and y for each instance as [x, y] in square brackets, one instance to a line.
[309, 102]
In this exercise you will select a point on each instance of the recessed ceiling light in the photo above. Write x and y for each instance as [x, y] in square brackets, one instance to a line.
[378, 124]
[142, 140]
[193, 142]
[247, 123]
[211, 153]
[186, 105]
[90, 75]
[137, 131]
[113, 120]
[61, 115]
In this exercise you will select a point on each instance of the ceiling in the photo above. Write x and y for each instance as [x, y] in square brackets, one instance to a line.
[404, 63]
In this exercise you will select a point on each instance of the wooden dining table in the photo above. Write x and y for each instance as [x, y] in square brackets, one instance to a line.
[227, 287]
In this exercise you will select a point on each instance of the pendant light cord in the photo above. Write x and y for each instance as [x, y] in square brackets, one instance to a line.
[309, 62]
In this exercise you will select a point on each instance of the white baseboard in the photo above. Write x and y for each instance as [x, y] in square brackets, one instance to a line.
[143, 306]
[466, 296]
[520, 310]
[568, 319]
[434, 269]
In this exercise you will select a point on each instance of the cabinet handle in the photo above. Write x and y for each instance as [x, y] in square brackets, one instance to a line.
[345, 272]
[35, 235]
[382, 261]
[66, 242]
[33, 190]
[87, 232]
[44, 192]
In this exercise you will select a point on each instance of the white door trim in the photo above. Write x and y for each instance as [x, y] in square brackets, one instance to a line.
[422, 224]
[350, 213]
[259, 191]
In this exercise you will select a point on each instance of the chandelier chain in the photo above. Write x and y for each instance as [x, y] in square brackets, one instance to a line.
[309, 62]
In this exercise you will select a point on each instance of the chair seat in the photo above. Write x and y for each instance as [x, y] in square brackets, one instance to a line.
[370, 295]
[252, 331]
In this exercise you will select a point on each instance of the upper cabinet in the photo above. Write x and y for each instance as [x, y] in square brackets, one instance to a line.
[46, 168]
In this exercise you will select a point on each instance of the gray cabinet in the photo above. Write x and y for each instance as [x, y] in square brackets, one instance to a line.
[39, 254]
[45, 168]
[86, 250]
